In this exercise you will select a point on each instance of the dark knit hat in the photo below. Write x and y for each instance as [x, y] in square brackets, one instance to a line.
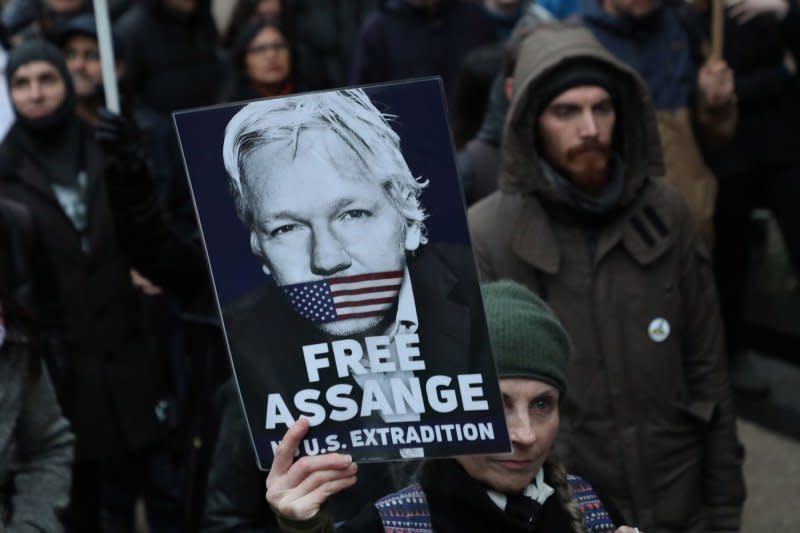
[84, 24]
[576, 73]
[527, 339]
[36, 50]
[40, 50]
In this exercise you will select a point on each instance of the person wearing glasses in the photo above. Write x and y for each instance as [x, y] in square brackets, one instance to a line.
[261, 61]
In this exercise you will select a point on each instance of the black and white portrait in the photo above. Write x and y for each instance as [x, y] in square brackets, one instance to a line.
[331, 207]
[362, 322]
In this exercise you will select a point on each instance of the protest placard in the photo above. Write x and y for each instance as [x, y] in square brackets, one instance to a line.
[335, 230]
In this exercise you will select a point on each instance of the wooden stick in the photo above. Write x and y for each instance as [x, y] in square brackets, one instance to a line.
[717, 25]
[107, 63]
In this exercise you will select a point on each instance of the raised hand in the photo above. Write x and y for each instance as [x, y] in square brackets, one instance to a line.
[715, 80]
[297, 489]
[118, 136]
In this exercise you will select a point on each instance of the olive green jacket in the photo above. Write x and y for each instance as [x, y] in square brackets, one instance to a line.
[648, 415]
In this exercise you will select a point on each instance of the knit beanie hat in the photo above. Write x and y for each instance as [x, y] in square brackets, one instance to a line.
[527, 339]
[576, 73]
[84, 24]
[41, 50]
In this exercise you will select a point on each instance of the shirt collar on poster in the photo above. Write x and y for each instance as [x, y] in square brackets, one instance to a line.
[406, 320]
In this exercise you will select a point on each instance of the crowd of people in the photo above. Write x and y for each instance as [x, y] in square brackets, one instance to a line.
[609, 160]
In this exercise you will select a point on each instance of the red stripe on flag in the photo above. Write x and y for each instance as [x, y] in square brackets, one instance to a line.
[362, 303]
[366, 277]
[381, 288]
[360, 315]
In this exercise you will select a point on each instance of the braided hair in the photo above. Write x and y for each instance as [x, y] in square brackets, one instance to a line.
[556, 475]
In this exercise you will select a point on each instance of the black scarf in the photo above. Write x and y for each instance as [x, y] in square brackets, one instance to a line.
[597, 205]
[41, 50]
[53, 141]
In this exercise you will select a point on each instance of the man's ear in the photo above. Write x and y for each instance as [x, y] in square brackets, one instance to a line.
[508, 88]
[255, 247]
[413, 236]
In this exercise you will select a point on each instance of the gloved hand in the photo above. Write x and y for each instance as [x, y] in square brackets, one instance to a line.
[119, 137]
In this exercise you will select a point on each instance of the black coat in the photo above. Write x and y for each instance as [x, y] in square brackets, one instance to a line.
[112, 378]
[324, 37]
[25, 274]
[407, 42]
[155, 249]
[171, 62]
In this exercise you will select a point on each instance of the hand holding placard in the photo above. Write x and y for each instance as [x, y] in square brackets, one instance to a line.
[297, 490]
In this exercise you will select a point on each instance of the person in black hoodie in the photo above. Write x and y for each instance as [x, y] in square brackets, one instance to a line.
[112, 380]
[40, 18]
[171, 58]
[412, 38]
[325, 34]
[171, 62]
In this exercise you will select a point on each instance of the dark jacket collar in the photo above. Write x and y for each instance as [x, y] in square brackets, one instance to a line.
[646, 229]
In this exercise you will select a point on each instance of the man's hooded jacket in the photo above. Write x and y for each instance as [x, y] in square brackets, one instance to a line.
[649, 418]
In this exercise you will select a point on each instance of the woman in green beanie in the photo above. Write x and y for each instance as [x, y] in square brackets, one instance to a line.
[526, 490]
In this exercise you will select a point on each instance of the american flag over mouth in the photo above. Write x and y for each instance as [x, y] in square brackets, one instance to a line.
[332, 299]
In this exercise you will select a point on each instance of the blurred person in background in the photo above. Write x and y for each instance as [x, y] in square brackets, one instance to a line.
[170, 53]
[261, 61]
[247, 11]
[36, 444]
[694, 98]
[78, 42]
[172, 62]
[476, 164]
[505, 14]
[324, 35]
[478, 156]
[112, 380]
[474, 83]
[760, 166]
[40, 18]
[561, 9]
[412, 38]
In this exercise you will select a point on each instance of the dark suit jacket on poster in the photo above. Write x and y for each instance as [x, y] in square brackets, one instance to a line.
[266, 338]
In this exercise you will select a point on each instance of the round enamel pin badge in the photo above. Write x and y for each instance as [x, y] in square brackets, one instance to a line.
[658, 330]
